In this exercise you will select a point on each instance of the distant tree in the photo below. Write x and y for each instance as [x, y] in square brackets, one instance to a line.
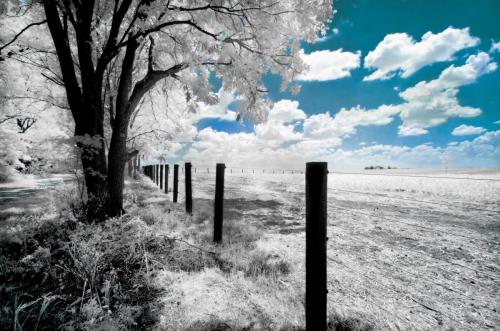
[112, 53]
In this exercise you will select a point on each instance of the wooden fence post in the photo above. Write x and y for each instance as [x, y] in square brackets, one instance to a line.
[176, 181]
[316, 197]
[135, 167]
[219, 202]
[188, 188]
[166, 178]
[157, 178]
[161, 176]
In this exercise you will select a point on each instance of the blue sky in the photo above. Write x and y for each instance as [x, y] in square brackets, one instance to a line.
[433, 64]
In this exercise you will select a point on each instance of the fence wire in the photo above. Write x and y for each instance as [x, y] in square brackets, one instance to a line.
[205, 178]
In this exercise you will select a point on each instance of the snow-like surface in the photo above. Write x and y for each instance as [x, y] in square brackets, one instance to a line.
[404, 252]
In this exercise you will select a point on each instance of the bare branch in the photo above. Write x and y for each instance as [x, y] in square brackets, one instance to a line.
[21, 32]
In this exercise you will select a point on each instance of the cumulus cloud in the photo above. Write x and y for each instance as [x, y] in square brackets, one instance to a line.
[286, 111]
[219, 110]
[428, 104]
[399, 53]
[329, 65]
[344, 123]
[288, 139]
[483, 150]
[467, 130]
[495, 47]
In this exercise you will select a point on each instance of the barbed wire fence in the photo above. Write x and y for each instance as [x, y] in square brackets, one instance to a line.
[239, 176]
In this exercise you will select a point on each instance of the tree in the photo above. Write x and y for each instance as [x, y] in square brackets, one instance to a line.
[112, 53]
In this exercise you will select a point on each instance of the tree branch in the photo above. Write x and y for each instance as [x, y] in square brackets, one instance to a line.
[21, 32]
[151, 78]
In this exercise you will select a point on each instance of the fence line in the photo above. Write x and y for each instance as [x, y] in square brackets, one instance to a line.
[453, 205]
[315, 284]
[277, 171]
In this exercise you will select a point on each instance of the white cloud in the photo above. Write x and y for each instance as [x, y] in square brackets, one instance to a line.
[280, 142]
[329, 65]
[344, 123]
[429, 104]
[495, 46]
[286, 111]
[482, 151]
[467, 130]
[399, 52]
[220, 109]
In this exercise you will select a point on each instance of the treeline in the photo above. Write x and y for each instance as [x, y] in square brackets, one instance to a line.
[377, 167]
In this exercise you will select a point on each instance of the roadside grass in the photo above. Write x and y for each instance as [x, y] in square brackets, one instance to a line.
[153, 268]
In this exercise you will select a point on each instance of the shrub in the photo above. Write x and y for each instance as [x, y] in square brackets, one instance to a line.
[262, 264]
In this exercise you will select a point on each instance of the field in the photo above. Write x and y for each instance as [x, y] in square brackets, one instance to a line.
[403, 252]
[407, 250]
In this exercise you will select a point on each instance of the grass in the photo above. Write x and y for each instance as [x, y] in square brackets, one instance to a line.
[155, 267]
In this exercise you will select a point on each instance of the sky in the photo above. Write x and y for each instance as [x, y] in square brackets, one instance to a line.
[412, 84]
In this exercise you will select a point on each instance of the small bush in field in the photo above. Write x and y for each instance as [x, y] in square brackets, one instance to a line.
[262, 264]
[337, 322]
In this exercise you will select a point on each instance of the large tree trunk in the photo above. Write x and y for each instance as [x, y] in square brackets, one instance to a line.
[85, 101]
[116, 170]
[90, 133]
[118, 155]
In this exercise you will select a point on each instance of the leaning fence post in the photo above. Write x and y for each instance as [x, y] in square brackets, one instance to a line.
[176, 181]
[188, 188]
[166, 178]
[316, 196]
[219, 202]
[161, 176]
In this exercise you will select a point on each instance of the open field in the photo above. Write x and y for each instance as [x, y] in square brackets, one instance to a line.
[404, 252]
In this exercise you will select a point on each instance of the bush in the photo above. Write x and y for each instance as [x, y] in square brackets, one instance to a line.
[262, 264]
[337, 322]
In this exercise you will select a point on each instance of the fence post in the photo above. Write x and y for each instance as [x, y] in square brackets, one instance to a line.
[166, 178]
[135, 167]
[316, 196]
[161, 176]
[219, 202]
[157, 177]
[176, 181]
[188, 188]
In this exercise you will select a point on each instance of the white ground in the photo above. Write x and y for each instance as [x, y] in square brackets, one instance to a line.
[404, 252]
